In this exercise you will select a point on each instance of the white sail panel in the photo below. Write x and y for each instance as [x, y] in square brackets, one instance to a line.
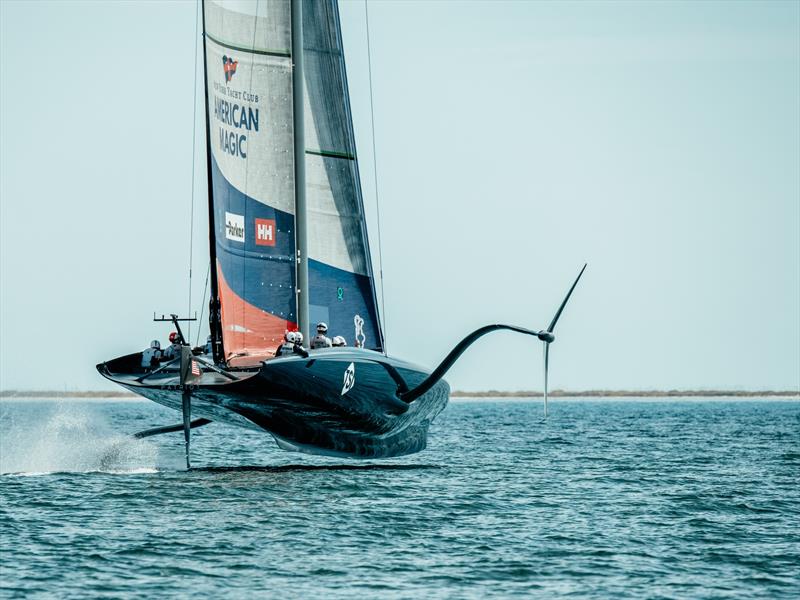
[337, 227]
[259, 25]
[250, 102]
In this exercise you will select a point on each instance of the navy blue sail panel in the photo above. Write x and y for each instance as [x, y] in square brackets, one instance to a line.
[256, 263]
[258, 274]
[338, 296]
[338, 242]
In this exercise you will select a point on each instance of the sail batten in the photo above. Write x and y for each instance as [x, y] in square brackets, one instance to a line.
[267, 52]
[331, 154]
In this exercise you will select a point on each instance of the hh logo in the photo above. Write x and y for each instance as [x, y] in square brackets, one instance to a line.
[229, 66]
[265, 232]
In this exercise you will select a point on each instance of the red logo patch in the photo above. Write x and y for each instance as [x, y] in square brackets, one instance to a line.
[229, 66]
[265, 232]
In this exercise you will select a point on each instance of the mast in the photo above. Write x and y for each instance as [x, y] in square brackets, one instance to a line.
[301, 225]
[214, 306]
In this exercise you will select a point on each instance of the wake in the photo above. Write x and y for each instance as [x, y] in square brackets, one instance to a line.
[69, 438]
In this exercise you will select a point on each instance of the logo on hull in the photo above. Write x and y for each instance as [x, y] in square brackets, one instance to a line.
[234, 227]
[229, 66]
[349, 379]
[265, 232]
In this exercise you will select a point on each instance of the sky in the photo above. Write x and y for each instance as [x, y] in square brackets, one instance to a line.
[658, 141]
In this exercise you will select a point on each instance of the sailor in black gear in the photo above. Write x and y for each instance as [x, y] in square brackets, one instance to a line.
[152, 355]
[321, 340]
[208, 348]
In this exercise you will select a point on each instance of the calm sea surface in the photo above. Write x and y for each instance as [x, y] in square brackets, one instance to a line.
[686, 499]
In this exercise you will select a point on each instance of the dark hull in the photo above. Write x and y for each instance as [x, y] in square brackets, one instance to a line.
[300, 401]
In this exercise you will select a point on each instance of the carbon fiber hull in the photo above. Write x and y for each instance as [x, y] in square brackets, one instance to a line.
[337, 402]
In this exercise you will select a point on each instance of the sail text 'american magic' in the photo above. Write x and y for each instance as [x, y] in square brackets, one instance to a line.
[239, 117]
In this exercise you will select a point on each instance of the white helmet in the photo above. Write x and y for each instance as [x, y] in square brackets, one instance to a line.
[298, 338]
[322, 327]
[155, 345]
[339, 341]
[291, 337]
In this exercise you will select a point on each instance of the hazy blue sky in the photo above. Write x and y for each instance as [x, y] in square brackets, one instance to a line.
[660, 142]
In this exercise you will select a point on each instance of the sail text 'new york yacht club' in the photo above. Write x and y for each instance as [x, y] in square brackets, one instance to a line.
[238, 116]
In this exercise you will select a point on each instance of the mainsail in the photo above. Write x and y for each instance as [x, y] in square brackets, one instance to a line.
[252, 188]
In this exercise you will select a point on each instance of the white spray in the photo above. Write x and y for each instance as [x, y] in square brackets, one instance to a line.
[68, 437]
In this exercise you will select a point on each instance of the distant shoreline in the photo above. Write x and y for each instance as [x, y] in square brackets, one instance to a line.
[462, 394]
[631, 394]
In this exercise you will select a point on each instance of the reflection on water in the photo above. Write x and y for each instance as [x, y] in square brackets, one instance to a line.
[603, 499]
[308, 468]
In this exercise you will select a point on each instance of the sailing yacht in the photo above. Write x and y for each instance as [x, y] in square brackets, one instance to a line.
[288, 249]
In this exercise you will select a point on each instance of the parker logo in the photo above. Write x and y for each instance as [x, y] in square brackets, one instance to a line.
[265, 232]
[229, 66]
[234, 227]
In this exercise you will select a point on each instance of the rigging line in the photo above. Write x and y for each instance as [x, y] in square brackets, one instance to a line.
[375, 173]
[194, 161]
[203, 305]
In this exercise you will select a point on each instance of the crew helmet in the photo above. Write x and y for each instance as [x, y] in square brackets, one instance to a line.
[298, 338]
[173, 337]
[339, 341]
[322, 327]
[155, 345]
[290, 337]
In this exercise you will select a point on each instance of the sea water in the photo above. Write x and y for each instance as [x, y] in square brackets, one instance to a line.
[637, 499]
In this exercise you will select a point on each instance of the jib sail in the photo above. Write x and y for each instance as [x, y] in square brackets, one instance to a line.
[252, 188]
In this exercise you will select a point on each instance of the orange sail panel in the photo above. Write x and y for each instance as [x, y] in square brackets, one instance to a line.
[249, 334]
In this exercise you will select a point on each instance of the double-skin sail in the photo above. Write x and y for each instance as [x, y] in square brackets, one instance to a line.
[252, 188]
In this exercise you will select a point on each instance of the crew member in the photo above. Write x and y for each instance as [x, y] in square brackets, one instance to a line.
[174, 349]
[321, 340]
[298, 345]
[152, 355]
[208, 349]
[287, 347]
[339, 341]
